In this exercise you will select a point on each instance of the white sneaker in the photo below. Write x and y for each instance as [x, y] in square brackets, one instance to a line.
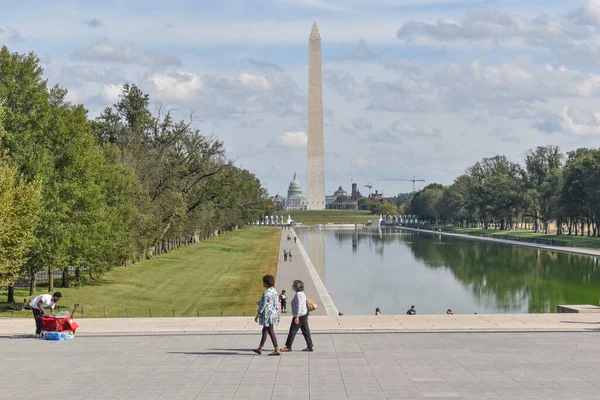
[37, 335]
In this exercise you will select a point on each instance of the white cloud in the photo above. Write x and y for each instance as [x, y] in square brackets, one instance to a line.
[255, 82]
[402, 130]
[572, 120]
[176, 85]
[357, 5]
[362, 51]
[86, 74]
[11, 34]
[588, 14]
[493, 25]
[362, 124]
[111, 93]
[265, 65]
[359, 163]
[341, 81]
[478, 85]
[422, 130]
[319, 4]
[105, 51]
[250, 93]
[93, 23]
[505, 134]
[292, 139]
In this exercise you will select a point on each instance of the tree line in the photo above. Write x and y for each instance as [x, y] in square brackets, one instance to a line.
[96, 193]
[548, 188]
[381, 207]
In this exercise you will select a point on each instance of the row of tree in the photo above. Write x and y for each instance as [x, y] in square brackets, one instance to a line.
[380, 207]
[548, 188]
[92, 194]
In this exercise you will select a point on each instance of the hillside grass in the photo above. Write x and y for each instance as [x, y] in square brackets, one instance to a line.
[217, 275]
[330, 216]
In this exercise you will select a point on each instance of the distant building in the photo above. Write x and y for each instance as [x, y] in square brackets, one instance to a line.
[355, 193]
[332, 203]
[295, 199]
[376, 196]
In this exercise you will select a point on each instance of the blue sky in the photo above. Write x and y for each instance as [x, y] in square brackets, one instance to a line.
[411, 87]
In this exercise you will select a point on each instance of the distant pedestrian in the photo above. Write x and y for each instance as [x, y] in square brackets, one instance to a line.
[283, 300]
[267, 315]
[290, 255]
[295, 239]
[449, 312]
[285, 255]
[300, 319]
[377, 311]
[412, 311]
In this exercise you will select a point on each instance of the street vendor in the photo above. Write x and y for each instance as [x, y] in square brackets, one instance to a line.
[37, 306]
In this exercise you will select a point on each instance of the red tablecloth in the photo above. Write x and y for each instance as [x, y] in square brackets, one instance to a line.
[58, 323]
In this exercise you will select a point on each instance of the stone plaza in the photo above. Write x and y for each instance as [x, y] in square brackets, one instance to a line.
[542, 365]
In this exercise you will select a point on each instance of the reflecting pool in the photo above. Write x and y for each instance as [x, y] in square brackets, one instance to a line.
[393, 269]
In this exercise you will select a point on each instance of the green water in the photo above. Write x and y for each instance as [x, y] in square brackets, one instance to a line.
[394, 269]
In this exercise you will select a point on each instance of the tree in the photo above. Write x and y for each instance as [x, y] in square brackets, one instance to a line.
[365, 203]
[426, 202]
[543, 182]
[19, 214]
[496, 190]
[385, 208]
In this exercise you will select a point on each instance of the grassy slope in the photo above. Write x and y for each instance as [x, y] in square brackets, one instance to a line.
[565, 240]
[219, 274]
[330, 216]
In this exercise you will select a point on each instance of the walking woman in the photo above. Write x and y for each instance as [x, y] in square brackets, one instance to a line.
[267, 314]
[300, 318]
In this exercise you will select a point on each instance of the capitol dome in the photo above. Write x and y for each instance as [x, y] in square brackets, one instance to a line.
[340, 192]
[295, 189]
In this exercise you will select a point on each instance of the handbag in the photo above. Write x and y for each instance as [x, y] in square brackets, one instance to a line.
[311, 305]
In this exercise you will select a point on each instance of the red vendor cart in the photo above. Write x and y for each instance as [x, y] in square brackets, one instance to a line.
[59, 323]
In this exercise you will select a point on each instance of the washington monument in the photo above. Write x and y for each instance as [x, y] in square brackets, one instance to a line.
[315, 192]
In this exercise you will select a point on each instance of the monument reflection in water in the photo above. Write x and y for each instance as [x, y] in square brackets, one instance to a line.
[393, 269]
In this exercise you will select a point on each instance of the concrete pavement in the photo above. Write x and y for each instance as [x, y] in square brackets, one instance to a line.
[301, 268]
[327, 324]
[354, 366]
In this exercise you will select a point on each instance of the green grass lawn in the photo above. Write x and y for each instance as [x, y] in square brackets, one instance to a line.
[329, 216]
[217, 275]
[527, 235]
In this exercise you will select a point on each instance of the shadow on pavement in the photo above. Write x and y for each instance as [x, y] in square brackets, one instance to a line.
[579, 322]
[214, 353]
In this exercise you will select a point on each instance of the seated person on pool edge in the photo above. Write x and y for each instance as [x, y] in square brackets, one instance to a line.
[37, 306]
[412, 311]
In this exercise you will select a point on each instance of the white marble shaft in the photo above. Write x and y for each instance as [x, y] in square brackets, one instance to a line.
[315, 192]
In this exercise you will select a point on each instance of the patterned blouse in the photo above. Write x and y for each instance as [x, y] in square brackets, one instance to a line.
[267, 309]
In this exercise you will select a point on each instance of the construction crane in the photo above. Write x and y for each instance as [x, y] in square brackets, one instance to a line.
[413, 180]
[370, 187]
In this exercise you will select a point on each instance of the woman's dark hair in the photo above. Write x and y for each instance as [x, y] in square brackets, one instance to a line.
[298, 285]
[269, 280]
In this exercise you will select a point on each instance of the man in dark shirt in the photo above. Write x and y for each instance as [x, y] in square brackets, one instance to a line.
[412, 311]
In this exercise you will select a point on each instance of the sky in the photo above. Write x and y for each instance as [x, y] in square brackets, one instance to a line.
[411, 88]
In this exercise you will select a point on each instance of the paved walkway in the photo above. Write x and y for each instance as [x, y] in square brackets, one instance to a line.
[344, 324]
[563, 249]
[353, 366]
[301, 268]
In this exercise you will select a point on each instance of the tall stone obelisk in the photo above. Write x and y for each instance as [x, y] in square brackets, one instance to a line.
[315, 193]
